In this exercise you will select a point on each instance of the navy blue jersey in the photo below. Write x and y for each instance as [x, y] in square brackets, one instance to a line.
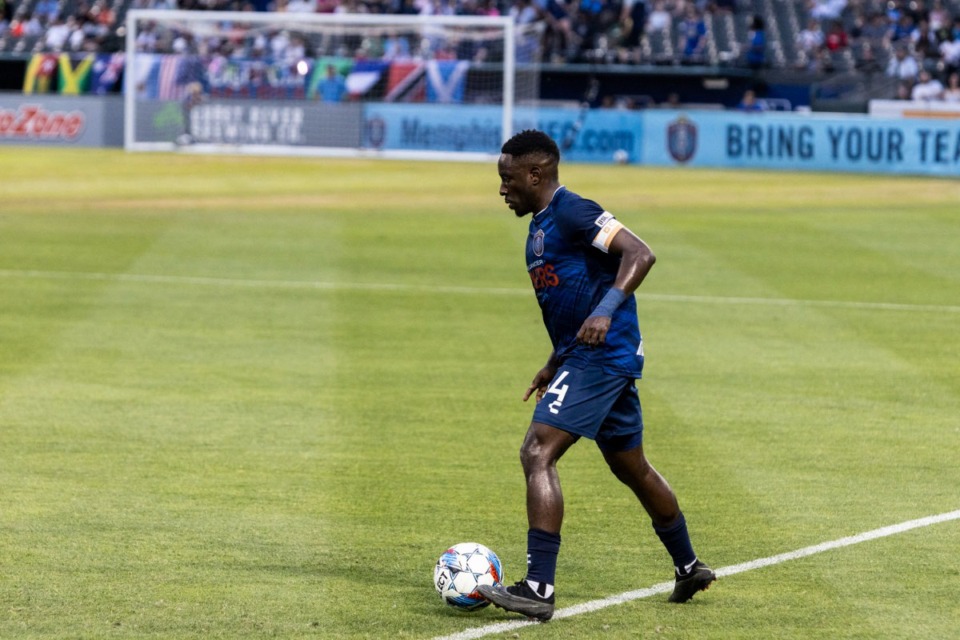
[571, 271]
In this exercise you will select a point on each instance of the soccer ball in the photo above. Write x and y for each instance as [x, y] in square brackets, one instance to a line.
[621, 156]
[461, 569]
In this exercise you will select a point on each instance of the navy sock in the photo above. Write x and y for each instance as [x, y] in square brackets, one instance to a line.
[677, 541]
[542, 550]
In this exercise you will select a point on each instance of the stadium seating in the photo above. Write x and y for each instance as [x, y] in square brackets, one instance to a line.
[726, 40]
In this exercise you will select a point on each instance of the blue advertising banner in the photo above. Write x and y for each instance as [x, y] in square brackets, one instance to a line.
[583, 135]
[425, 127]
[801, 142]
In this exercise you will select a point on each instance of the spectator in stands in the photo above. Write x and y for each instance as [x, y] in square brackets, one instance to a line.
[78, 39]
[927, 87]
[825, 62]
[32, 26]
[855, 23]
[593, 26]
[57, 35]
[950, 52]
[836, 38]
[916, 8]
[722, 6]
[296, 51]
[15, 28]
[486, 8]
[396, 47]
[633, 21]
[523, 12]
[279, 43]
[559, 34]
[6, 14]
[876, 30]
[810, 39]
[749, 102]
[47, 10]
[333, 87]
[939, 16]
[147, 38]
[756, 54]
[660, 19]
[903, 66]
[952, 92]
[902, 29]
[867, 60]
[99, 19]
[925, 45]
[827, 9]
[301, 6]
[672, 101]
[692, 36]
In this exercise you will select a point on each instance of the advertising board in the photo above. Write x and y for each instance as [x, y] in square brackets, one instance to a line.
[52, 120]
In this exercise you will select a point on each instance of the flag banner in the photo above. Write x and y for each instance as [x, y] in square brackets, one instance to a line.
[167, 69]
[74, 79]
[365, 76]
[169, 77]
[106, 73]
[263, 79]
[318, 72]
[40, 74]
[446, 80]
[406, 82]
[166, 77]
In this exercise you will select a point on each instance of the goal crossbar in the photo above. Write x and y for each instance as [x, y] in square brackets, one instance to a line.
[209, 22]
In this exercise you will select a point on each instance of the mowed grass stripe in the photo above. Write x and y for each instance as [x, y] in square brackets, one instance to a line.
[183, 442]
[722, 572]
[217, 460]
[839, 385]
[441, 289]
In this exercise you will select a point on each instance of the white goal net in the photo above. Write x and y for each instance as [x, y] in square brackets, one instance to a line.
[326, 84]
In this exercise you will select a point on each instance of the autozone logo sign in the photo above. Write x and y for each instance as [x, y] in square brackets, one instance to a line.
[33, 122]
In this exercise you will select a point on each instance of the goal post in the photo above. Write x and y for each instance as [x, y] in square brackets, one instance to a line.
[423, 87]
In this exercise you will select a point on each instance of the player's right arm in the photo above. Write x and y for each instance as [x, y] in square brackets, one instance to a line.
[542, 380]
[636, 259]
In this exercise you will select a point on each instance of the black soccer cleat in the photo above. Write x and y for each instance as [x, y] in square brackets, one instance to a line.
[699, 578]
[519, 598]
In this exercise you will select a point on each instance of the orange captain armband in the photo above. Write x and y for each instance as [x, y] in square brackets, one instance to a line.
[609, 226]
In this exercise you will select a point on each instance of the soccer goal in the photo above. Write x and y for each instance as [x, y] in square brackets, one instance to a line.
[426, 87]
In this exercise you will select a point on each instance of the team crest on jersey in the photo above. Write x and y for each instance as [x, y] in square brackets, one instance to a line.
[682, 139]
[538, 243]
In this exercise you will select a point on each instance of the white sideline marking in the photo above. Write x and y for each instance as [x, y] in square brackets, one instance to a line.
[265, 284]
[666, 587]
[433, 288]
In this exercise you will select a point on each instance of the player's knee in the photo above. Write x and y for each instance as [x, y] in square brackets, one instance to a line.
[528, 455]
[533, 454]
[628, 468]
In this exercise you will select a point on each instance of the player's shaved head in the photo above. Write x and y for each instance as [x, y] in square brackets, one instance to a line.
[528, 171]
[536, 148]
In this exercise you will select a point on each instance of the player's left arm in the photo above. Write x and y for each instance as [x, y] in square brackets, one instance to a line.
[636, 260]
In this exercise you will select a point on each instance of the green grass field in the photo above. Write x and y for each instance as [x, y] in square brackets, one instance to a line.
[257, 398]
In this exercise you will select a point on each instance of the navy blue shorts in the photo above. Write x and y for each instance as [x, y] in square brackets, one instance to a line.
[585, 401]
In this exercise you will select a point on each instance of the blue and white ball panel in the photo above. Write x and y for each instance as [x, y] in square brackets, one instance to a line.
[461, 569]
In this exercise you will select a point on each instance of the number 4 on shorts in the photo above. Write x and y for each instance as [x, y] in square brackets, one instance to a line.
[558, 391]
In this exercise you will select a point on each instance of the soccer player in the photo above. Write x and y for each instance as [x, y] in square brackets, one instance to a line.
[585, 266]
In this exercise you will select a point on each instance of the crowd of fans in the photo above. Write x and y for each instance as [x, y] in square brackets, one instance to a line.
[911, 42]
[915, 44]
[51, 25]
